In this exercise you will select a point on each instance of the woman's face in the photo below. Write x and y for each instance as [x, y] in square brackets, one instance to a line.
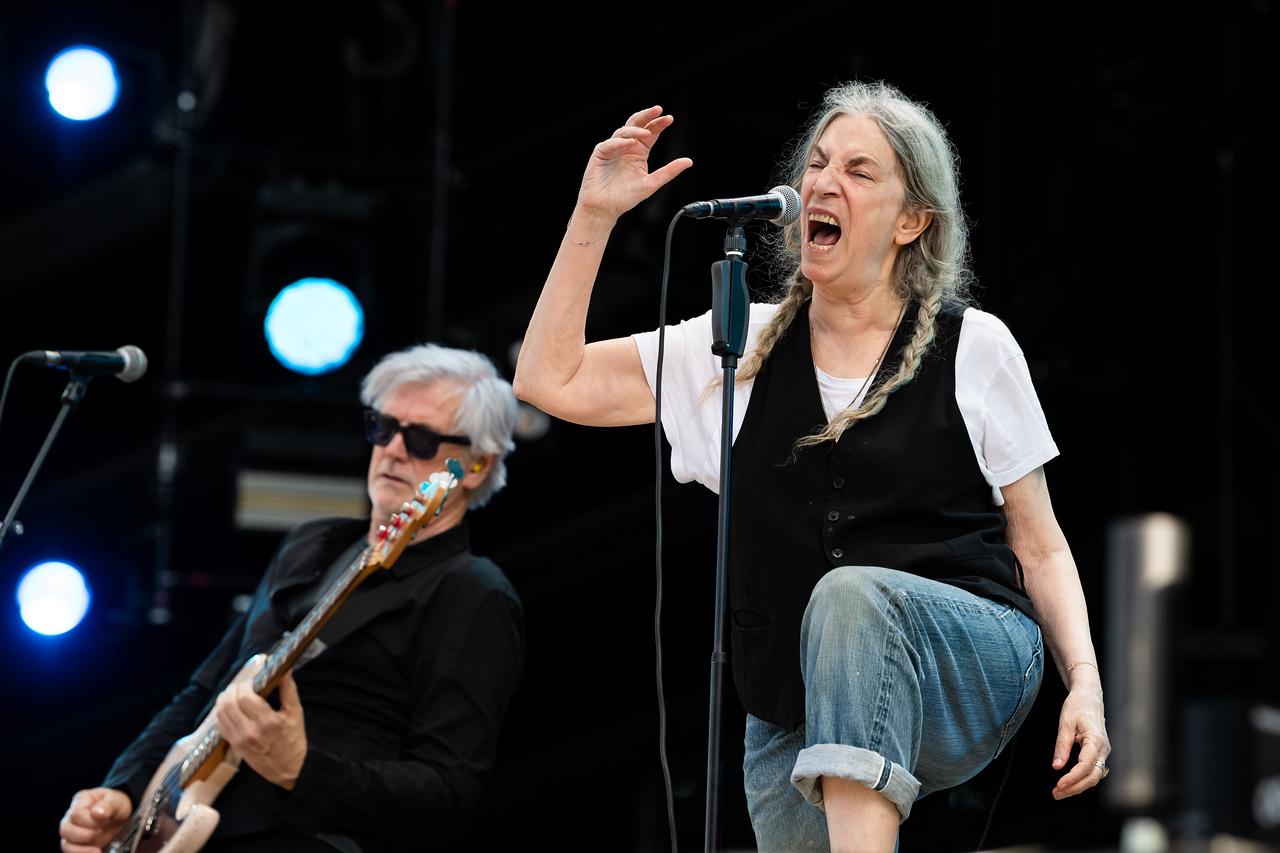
[852, 195]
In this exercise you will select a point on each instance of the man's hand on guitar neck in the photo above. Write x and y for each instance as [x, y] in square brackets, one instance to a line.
[273, 743]
[94, 818]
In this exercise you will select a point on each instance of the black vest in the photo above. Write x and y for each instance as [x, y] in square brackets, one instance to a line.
[901, 490]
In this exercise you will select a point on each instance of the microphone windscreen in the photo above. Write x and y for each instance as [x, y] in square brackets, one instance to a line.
[135, 363]
[790, 205]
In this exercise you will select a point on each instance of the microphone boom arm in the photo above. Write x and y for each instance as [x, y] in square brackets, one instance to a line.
[72, 395]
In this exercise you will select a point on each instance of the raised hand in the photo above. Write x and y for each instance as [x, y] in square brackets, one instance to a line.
[93, 819]
[618, 175]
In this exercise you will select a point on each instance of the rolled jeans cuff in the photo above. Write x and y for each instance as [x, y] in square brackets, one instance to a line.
[893, 781]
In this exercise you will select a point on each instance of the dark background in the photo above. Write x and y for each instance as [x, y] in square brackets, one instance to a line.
[1119, 171]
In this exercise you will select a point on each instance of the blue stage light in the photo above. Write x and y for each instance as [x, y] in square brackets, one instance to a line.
[82, 83]
[53, 598]
[314, 325]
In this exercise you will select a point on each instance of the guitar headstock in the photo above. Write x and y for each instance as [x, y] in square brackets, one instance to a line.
[418, 511]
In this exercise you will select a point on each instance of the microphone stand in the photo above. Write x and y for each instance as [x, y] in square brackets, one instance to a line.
[730, 308]
[71, 397]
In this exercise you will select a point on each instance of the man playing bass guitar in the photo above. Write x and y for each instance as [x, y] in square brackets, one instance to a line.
[384, 739]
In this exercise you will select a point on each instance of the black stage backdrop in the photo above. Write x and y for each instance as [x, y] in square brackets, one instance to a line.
[1118, 170]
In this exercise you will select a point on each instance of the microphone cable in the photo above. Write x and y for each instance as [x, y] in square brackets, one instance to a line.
[657, 512]
[8, 379]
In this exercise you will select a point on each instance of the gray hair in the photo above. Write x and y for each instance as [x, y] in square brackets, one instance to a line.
[937, 262]
[486, 414]
[932, 270]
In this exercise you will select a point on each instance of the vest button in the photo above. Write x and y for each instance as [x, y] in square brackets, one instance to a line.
[838, 483]
[834, 515]
[837, 553]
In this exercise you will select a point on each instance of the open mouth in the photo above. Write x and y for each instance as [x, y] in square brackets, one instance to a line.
[824, 232]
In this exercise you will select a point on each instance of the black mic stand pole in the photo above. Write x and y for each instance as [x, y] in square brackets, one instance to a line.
[71, 397]
[729, 317]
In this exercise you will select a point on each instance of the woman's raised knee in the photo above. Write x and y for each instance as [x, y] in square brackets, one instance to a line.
[851, 586]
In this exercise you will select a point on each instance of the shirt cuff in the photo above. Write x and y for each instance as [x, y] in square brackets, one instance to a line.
[319, 780]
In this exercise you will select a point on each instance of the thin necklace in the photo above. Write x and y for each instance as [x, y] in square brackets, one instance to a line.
[883, 352]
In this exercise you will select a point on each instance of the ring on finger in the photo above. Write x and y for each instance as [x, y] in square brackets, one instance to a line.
[1102, 765]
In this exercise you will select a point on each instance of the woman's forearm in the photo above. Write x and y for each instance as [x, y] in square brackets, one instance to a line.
[604, 384]
[1054, 586]
[553, 345]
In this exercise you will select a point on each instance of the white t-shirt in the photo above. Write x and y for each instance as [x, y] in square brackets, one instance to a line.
[993, 392]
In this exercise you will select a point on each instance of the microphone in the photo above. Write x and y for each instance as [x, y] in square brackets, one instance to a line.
[780, 205]
[128, 364]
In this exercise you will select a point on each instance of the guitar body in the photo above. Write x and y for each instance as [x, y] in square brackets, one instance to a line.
[183, 821]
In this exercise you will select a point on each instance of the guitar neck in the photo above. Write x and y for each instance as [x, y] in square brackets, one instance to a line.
[287, 653]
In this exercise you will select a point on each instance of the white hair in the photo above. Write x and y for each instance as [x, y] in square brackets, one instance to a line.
[486, 413]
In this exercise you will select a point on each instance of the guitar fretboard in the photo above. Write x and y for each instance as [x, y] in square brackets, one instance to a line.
[292, 647]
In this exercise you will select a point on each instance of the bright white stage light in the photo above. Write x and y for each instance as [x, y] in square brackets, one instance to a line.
[82, 83]
[53, 598]
[314, 325]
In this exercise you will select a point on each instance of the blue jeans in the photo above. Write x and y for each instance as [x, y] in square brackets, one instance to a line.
[911, 686]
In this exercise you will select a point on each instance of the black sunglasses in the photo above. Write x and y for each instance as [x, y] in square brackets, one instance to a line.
[422, 443]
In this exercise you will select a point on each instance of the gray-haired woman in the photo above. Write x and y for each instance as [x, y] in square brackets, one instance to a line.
[891, 519]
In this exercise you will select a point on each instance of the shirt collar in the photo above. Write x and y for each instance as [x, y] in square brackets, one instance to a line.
[431, 550]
